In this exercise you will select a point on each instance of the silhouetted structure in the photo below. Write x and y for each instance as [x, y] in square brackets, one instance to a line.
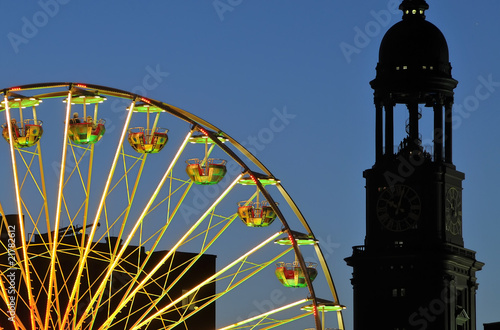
[492, 326]
[68, 256]
[413, 271]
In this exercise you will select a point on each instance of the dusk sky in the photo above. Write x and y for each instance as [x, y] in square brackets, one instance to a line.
[245, 65]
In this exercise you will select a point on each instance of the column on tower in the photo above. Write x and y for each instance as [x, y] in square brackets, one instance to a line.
[379, 134]
[448, 131]
[389, 129]
[438, 133]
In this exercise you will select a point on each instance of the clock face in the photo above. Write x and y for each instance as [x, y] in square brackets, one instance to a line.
[398, 208]
[453, 211]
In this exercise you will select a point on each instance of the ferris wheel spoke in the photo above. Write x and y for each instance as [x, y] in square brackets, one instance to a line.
[204, 249]
[205, 282]
[158, 235]
[226, 221]
[52, 268]
[126, 171]
[43, 187]
[280, 216]
[27, 164]
[130, 194]
[172, 210]
[83, 259]
[39, 185]
[265, 316]
[24, 261]
[151, 273]
[83, 176]
[87, 193]
[253, 269]
[77, 159]
[116, 257]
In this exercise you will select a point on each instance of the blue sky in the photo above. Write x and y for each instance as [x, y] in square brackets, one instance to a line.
[236, 63]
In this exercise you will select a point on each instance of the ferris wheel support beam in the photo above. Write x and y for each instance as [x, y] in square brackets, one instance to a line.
[234, 285]
[57, 222]
[266, 314]
[275, 208]
[44, 190]
[131, 198]
[205, 282]
[151, 273]
[95, 225]
[157, 241]
[153, 248]
[3, 278]
[89, 180]
[288, 321]
[184, 271]
[47, 214]
[99, 293]
[87, 193]
[26, 272]
[134, 190]
[42, 180]
[137, 224]
[187, 268]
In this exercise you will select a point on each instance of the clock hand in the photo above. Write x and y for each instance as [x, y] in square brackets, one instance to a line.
[400, 199]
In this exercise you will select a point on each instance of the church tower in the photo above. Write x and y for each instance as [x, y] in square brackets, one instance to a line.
[413, 272]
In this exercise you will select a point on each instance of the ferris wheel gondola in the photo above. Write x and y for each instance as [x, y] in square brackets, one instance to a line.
[27, 131]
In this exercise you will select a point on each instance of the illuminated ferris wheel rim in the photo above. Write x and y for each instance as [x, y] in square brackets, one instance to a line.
[206, 128]
[109, 91]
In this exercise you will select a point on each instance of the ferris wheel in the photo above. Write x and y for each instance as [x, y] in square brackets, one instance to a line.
[124, 212]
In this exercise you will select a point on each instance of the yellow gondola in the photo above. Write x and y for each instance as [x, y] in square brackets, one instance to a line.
[145, 141]
[256, 214]
[25, 136]
[206, 171]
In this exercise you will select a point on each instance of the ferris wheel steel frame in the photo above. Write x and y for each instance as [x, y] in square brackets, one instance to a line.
[65, 321]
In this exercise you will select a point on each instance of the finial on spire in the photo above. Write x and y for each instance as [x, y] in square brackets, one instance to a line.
[413, 8]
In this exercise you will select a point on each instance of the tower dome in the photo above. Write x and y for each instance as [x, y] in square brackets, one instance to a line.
[413, 55]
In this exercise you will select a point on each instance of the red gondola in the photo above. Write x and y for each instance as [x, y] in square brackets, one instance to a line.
[292, 276]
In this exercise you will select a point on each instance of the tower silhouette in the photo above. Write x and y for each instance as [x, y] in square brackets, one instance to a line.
[413, 271]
